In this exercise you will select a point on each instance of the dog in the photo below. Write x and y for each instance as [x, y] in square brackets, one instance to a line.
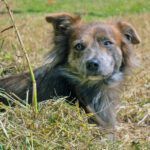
[88, 63]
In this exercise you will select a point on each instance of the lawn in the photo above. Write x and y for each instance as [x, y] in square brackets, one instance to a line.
[21, 129]
[92, 9]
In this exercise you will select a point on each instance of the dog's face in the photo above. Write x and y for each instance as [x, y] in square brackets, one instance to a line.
[96, 50]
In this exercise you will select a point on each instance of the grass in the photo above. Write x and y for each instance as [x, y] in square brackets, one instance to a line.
[48, 130]
[94, 9]
[59, 125]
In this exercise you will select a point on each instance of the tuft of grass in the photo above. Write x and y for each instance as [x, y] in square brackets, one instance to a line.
[58, 125]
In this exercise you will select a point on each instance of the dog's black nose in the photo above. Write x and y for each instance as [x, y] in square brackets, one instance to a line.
[92, 65]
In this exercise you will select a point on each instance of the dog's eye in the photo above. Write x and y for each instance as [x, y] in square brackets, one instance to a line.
[107, 43]
[79, 47]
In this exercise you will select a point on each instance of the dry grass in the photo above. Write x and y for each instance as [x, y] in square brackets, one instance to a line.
[34, 31]
[58, 125]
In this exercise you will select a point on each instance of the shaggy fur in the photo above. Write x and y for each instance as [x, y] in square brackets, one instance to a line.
[88, 63]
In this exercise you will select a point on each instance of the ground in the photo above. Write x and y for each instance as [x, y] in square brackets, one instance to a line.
[58, 125]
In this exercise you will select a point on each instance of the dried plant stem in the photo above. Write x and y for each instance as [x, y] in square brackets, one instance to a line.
[34, 96]
[6, 29]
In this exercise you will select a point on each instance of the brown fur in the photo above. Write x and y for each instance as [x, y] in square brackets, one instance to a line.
[88, 63]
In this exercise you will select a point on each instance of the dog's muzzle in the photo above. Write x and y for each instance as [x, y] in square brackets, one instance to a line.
[92, 66]
[96, 69]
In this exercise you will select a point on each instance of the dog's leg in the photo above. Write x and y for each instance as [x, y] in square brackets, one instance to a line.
[99, 101]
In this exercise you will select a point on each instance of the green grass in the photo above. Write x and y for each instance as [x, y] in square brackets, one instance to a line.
[95, 8]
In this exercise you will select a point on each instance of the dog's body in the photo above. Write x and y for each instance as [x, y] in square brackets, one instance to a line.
[88, 63]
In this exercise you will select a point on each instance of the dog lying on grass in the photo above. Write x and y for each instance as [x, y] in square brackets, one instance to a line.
[88, 63]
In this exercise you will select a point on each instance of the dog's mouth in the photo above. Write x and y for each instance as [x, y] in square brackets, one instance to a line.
[99, 76]
[93, 78]
[83, 74]
[111, 79]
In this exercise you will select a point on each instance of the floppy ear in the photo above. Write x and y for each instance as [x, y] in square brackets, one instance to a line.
[62, 22]
[129, 32]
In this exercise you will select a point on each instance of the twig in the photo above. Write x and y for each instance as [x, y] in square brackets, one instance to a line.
[6, 29]
[34, 96]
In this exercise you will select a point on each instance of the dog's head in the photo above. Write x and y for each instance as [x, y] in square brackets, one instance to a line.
[95, 51]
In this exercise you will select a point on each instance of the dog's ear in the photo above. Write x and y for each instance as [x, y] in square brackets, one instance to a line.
[63, 22]
[128, 32]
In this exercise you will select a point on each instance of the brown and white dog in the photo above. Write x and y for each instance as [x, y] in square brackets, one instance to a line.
[88, 63]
